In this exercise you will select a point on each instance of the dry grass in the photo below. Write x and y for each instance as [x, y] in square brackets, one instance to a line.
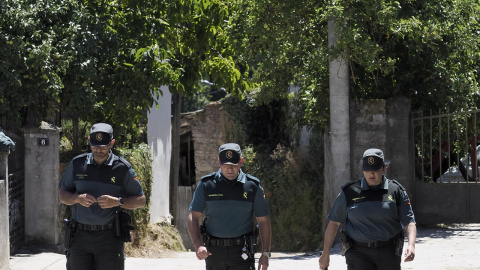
[162, 241]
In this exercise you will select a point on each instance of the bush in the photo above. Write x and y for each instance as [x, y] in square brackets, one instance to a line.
[294, 191]
[293, 184]
[141, 159]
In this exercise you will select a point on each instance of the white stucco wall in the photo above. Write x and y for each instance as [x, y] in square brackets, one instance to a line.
[160, 141]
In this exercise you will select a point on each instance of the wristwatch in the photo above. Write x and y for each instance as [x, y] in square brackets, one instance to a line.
[120, 201]
[267, 254]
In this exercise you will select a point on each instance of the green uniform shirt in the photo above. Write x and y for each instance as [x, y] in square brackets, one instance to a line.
[372, 214]
[228, 205]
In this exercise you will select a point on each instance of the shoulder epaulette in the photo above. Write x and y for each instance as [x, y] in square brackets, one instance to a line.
[208, 176]
[124, 161]
[350, 183]
[398, 183]
[251, 177]
[80, 156]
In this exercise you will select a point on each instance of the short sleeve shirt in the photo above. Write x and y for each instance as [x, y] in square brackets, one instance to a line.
[370, 221]
[228, 205]
[115, 177]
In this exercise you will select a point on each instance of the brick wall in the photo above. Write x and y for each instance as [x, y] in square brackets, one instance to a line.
[209, 129]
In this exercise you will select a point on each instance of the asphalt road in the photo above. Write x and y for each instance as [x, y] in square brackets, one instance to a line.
[453, 248]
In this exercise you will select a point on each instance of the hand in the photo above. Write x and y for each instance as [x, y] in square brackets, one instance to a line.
[86, 199]
[409, 254]
[107, 201]
[263, 263]
[324, 261]
[202, 253]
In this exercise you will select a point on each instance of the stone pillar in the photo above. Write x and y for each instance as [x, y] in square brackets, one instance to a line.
[400, 143]
[42, 219]
[4, 220]
[337, 140]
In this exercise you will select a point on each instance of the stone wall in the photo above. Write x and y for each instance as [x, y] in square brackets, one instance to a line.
[209, 130]
[383, 124]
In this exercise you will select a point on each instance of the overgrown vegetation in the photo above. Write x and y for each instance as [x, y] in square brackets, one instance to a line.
[141, 159]
[293, 181]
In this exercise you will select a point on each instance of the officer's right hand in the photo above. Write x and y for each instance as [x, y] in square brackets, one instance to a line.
[202, 253]
[86, 199]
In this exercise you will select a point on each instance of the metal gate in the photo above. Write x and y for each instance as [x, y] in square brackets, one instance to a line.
[16, 191]
[447, 178]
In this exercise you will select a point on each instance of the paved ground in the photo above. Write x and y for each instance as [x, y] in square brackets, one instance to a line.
[453, 248]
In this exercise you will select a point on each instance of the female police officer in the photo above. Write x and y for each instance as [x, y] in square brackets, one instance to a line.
[374, 211]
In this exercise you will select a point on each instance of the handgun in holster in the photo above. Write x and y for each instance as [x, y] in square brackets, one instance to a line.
[203, 233]
[345, 242]
[252, 240]
[399, 242]
[69, 229]
[123, 225]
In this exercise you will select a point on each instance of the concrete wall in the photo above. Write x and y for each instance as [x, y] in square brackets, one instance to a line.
[4, 222]
[160, 141]
[42, 219]
[383, 124]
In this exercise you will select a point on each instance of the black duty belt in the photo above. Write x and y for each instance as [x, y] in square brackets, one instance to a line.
[225, 242]
[375, 244]
[87, 227]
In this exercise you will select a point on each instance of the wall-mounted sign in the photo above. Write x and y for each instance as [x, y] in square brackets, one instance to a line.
[42, 141]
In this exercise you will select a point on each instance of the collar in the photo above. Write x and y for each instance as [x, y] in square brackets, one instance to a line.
[108, 161]
[241, 176]
[384, 184]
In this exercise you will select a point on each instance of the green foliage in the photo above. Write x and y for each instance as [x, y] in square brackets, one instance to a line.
[207, 92]
[188, 41]
[423, 50]
[293, 183]
[260, 125]
[294, 191]
[286, 42]
[141, 159]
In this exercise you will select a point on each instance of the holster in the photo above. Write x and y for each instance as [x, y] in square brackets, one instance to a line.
[203, 233]
[69, 230]
[399, 242]
[345, 243]
[123, 225]
[252, 240]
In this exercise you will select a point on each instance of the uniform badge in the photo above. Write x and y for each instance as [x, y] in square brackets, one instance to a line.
[229, 154]
[371, 160]
[99, 136]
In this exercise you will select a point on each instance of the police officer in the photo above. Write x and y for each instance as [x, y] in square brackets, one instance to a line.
[98, 184]
[229, 198]
[374, 211]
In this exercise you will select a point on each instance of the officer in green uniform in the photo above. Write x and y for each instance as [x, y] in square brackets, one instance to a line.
[374, 211]
[228, 199]
[98, 185]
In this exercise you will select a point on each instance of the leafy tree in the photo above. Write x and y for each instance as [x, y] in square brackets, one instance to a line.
[188, 40]
[423, 50]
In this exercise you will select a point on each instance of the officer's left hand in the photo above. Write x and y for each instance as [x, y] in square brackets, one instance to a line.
[107, 201]
[409, 254]
[263, 263]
